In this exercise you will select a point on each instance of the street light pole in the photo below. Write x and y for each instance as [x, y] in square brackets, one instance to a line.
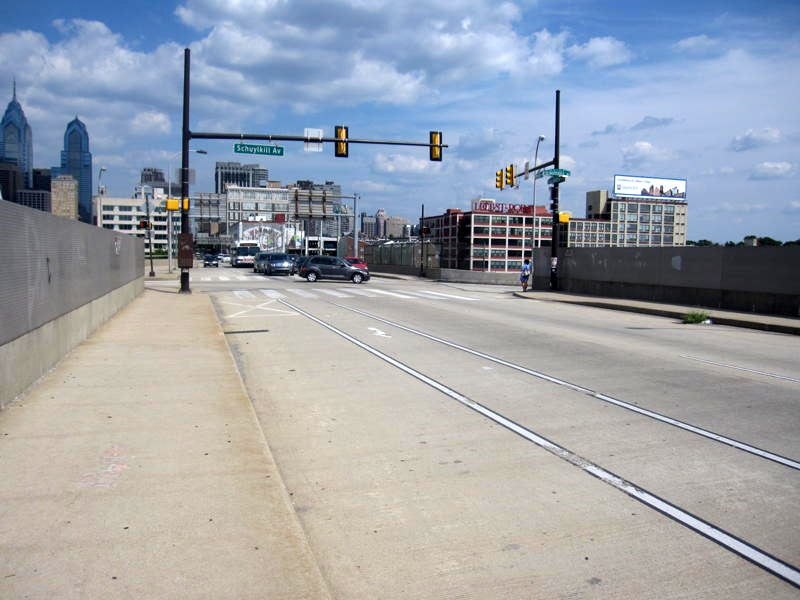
[149, 229]
[539, 140]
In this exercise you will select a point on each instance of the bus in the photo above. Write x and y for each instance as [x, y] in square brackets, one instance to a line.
[243, 253]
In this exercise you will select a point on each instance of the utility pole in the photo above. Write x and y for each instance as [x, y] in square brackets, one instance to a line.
[185, 245]
[555, 181]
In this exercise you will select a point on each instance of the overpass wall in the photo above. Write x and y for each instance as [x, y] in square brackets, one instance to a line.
[761, 280]
[59, 281]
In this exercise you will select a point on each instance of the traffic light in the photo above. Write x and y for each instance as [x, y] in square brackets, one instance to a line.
[341, 148]
[510, 175]
[436, 145]
[144, 224]
[498, 179]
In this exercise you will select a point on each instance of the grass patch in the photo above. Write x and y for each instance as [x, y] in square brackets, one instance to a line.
[696, 317]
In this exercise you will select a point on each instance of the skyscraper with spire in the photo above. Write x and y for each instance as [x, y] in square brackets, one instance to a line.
[76, 160]
[16, 139]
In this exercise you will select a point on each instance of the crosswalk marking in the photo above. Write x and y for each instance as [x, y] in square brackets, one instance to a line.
[449, 296]
[302, 293]
[422, 295]
[335, 294]
[395, 294]
[319, 293]
[361, 292]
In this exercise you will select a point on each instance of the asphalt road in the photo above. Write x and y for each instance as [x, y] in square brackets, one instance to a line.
[457, 441]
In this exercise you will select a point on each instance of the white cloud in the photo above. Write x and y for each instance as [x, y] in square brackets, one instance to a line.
[640, 153]
[697, 43]
[601, 52]
[773, 170]
[756, 138]
[402, 163]
[149, 123]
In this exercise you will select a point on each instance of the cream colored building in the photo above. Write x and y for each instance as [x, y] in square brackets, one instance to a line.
[64, 196]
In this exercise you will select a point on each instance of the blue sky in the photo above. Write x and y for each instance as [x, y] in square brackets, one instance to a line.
[702, 91]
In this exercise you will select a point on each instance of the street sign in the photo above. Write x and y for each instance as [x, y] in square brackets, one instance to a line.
[553, 173]
[313, 146]
[258, 149]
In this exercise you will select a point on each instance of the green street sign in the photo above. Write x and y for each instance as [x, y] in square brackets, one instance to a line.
[258, 149]
[553, 173]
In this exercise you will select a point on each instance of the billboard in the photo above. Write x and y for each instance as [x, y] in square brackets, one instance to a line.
[649, 187]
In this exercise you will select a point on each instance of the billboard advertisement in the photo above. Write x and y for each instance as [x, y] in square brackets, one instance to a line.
[634, 186]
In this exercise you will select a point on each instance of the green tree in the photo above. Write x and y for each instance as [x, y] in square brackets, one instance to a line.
[768, 241]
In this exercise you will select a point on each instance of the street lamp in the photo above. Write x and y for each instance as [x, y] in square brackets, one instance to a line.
[100, 180]
[169, 213]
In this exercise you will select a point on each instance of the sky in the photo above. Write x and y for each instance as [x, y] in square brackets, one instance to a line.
[702, 91]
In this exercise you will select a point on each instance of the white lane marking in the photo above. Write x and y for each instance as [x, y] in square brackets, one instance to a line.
[242, 278]
[275, 294]
[335, 293]
[395, 294]
[611, 400]
[302, 293]
[243, 294]
[721, 537]
[421, 295]
[718, 364]
[378, 332]
[205, 279]
[223, 278]
[360, 292]
[450, 296]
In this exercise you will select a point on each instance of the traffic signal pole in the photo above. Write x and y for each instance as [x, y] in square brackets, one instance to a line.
[554, 236]
[341, 141]
[185, 235]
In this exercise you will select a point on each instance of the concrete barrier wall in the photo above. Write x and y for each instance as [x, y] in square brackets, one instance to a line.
[59, 281]
[763, 280]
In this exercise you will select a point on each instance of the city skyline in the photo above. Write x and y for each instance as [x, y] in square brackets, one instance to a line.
[654, 90]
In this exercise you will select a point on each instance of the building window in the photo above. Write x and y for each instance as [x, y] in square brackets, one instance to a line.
[499, 221]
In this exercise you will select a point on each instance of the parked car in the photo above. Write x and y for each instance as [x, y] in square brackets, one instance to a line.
[357, 262]
[332, 267]
[210, 260]
[277, 264]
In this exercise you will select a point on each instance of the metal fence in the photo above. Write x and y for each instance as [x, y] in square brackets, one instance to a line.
[53, 265]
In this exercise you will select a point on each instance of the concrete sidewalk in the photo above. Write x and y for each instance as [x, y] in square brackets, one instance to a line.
[772, 323]
[136, 469]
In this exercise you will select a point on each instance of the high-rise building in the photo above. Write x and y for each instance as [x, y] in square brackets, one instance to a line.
[64, 196]
[380, 222]
[10, 180]
[41, 179]
[16, 141]
[38, 199]
[76, 160]
[234, 173]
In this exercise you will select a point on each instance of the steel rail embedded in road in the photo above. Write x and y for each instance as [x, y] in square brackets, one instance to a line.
[787, 462]
[749, 552]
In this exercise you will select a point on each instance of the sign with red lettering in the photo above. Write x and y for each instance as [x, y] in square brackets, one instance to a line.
[501, 207]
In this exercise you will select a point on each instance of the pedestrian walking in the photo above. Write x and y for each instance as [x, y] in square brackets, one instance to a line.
[525, 274]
